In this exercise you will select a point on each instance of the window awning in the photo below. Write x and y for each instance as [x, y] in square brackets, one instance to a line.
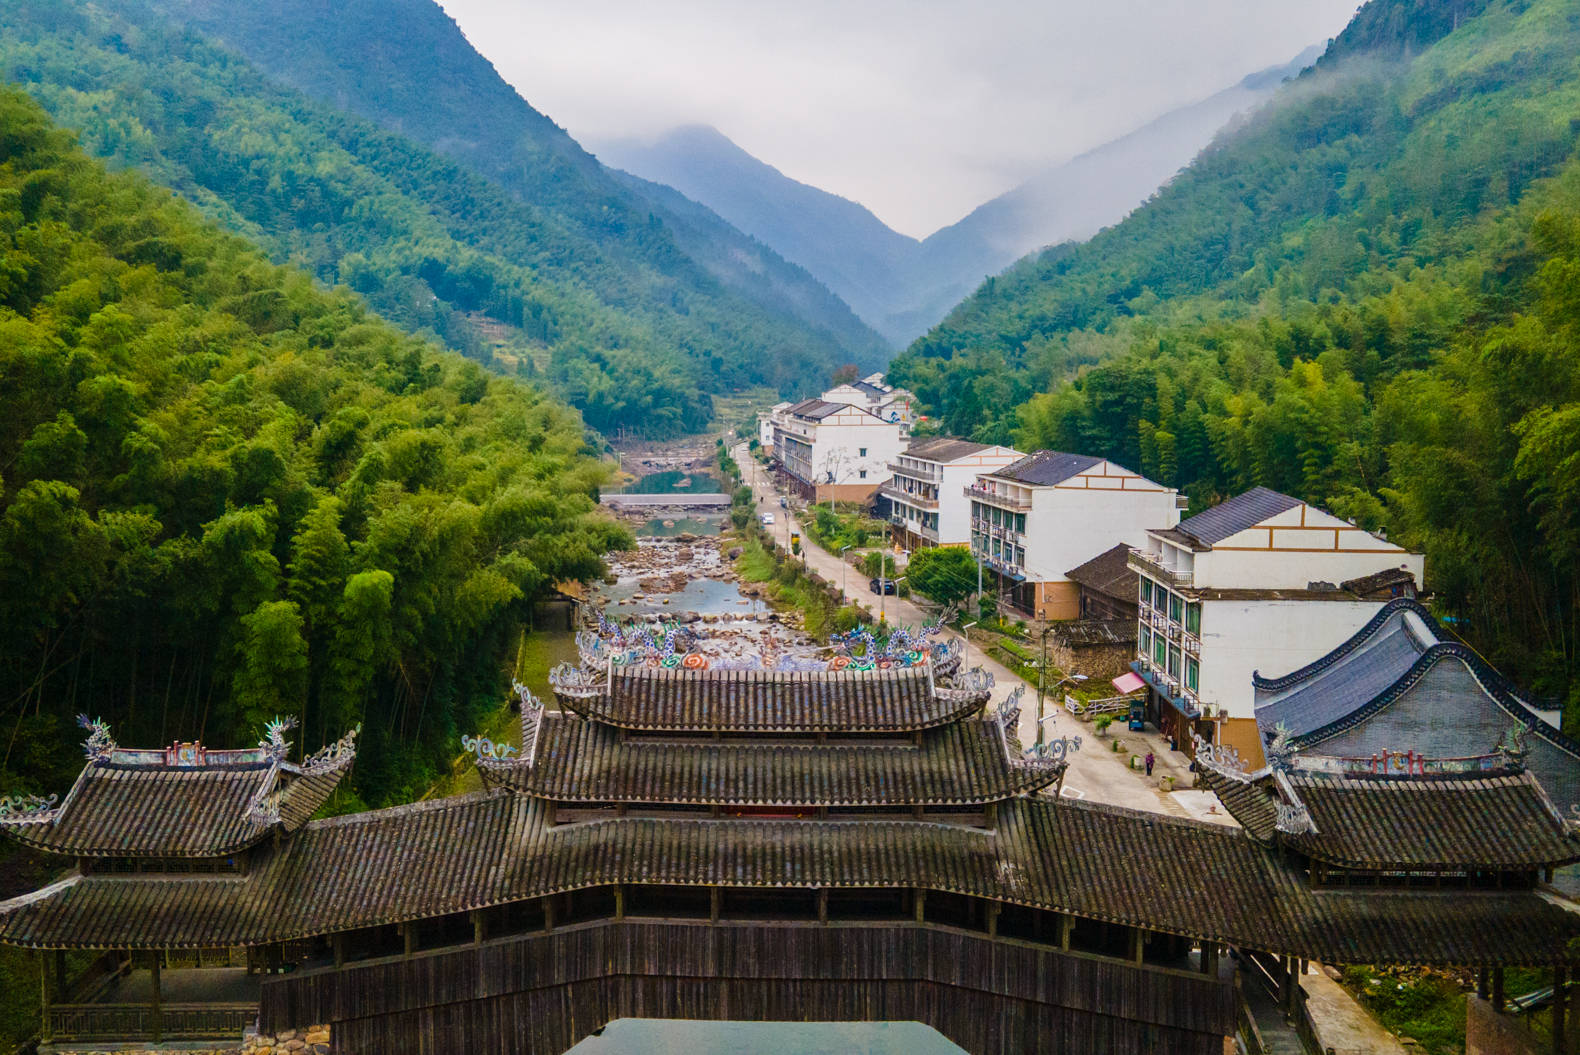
[1127, 683]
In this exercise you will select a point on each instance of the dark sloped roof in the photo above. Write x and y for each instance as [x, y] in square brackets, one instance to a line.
[1370, 662]
[156, 811]
[1238, 513]
[893, 700]
[1110, 574]
[581, 761]
[1493, 822]
[943, 448]
[1250, 801]
[452, 855]
[1085, 633]
[137, 803]
[817, 409]
[1046, 468]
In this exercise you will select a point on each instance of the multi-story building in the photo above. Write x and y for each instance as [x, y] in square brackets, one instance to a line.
[875, 395]
[926, 507]
[829, 451]
[1262, 581]
[765, 426]
[1049, 512]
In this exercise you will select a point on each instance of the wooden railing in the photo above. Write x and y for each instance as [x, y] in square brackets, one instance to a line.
[127, 1022]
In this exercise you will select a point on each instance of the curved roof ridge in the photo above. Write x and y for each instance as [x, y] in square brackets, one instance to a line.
[1373, 626]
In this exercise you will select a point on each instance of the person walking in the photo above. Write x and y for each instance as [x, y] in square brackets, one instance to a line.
[1150, 759]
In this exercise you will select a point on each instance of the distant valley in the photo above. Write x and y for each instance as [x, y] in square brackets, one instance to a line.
[902, 286]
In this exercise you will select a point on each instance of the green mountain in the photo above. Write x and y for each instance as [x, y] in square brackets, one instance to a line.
[539, 261]
[228, 493]
[1363, 296]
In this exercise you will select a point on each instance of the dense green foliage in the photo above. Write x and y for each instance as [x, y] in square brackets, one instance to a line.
[947, 574]
[226, 494]
[1365, 297]
[547, 266]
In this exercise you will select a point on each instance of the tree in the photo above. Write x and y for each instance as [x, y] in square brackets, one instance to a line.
[947, 574]
[272, 676]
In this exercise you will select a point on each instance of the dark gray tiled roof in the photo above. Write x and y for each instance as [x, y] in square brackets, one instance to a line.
[963, 763]
[1385, 654]
[943, 448]
[1434, 823]
[1097, 862]
[1235, 515]
[1046, 468]
[1110, 574]
[763, 701]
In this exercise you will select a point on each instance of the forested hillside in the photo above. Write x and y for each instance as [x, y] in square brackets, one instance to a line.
[583, 286]
[226, 494]
[1366, 296]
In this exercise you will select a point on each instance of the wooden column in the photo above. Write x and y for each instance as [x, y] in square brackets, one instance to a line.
[61, 996]
[1497, 990]
[478, 930]
[1483, 984]
[1560, 1010]
[1066, 927]
[619, 902]
[548, 913]
[408, 932]
[993, 909]
[44, 1033]
[337, 942]
[715, 904]
[919, 899]
[1137, 944]
[822, 905]
[158, 1003]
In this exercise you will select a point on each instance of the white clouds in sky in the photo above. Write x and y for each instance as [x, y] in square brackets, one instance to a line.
[918, 109]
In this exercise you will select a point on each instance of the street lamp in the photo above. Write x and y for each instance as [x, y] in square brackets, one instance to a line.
[843, 569]
[883, 592]
[1042, 681]
[965, 658]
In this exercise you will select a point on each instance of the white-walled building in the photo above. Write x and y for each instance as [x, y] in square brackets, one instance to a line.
[830, 451]
[1048, 512]
[877, 397]
[765, 426]
[927, 505]
[1260, 582]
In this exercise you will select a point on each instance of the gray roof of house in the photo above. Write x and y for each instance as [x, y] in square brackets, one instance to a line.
[1235, 515]
[816, 408]
[943, 448]
[1047, 467]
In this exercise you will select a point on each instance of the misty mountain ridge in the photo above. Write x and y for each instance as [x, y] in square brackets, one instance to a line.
[902, 286]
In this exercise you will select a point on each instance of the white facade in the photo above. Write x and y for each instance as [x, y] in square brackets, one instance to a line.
[1262, 583]
[765, 426]
[927, 488]
[1035, 520]
[877, 397]
[835, 450]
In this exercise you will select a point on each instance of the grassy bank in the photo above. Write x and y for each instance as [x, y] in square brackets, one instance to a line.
[788, 586]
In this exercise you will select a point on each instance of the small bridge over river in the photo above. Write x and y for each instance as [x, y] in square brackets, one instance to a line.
[679, 500]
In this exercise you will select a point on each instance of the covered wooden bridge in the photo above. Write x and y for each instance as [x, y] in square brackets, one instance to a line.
[852, 846]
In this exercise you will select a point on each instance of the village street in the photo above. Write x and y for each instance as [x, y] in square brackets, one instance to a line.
[1096, 773]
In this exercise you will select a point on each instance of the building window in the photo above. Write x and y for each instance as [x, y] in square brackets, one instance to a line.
[1193, 618]
[1176, 607]
[862, 474]
[1146, 590]
[1020, 523]
[1159, 650]
[1174, 662]
[1192, 674]
[861, 452]
[1146, 640]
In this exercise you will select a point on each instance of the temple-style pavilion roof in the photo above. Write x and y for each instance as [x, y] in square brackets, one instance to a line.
[475, 851]
[1400, 686]
[568, 759]
[1397, 813]
[897, 700]
[180, 801]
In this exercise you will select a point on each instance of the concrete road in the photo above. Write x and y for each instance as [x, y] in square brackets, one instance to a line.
[1096, 772]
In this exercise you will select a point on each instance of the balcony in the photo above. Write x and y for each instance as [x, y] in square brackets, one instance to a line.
[899, 494]
[1192, 645]
[917, 472]
[1000, 565]
[1153, 565]
[994, 498]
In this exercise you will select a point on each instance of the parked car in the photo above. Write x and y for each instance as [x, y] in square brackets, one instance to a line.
[768, 520]
[881, 585]
[784, 503]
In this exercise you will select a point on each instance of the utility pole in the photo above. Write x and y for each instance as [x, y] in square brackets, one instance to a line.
[1042, 681]
[844, 567]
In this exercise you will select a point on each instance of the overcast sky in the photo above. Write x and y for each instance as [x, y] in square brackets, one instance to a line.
[919, 109]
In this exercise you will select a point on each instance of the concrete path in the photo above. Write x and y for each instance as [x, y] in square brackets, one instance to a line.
[1097, 773]
[1343, 1026]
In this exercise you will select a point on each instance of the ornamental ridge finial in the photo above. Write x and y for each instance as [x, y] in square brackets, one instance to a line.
[100, 745]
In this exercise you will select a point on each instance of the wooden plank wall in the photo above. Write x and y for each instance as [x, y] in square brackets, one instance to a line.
[542, 993]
